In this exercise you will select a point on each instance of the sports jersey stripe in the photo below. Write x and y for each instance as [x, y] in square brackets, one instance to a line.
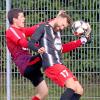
[44, 41]
[58, 33]
[52, 33]
[23, 34]
[46, 47]
[56, 53]
[14, 32]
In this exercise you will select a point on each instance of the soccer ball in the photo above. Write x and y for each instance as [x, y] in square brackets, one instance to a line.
[79, 27]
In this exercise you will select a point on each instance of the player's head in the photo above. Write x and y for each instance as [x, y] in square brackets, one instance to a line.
[63, 20]
[16, 17]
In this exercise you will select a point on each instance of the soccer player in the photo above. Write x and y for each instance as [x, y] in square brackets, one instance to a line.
[29, 65]
[48, 35]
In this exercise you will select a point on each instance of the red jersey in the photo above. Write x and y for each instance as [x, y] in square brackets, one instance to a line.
[17, 44]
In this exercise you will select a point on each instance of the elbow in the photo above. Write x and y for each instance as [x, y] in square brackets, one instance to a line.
[31, 46]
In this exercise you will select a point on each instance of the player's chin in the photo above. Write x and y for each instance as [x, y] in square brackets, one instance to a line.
[22, 24]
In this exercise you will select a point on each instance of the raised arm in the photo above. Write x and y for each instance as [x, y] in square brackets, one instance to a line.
[30, 30]
[67, 47]
[35, 38]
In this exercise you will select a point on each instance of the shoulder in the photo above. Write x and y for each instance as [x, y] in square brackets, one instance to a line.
[41, 27]
[44, 25]
[8, 31]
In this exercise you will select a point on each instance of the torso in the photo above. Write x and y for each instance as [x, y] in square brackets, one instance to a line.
[52, 43]
[19, 54]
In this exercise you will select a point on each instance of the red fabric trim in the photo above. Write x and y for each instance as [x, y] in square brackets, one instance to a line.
[35, 98]
[34, 61]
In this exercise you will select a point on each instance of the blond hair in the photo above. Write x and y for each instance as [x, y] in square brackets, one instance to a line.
[64, 15]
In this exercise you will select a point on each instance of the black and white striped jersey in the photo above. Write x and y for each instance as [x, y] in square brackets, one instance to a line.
[51, 41]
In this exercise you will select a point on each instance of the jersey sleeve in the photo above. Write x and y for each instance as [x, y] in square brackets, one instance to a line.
[30, 30]
[71, 46]
[36, 38]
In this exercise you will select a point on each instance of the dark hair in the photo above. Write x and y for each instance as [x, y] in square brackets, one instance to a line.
[13, 13]
[69, 19]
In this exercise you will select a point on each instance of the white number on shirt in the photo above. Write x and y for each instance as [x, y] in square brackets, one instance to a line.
[64, 73]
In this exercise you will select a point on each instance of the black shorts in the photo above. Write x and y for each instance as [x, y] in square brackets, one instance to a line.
[33, 71]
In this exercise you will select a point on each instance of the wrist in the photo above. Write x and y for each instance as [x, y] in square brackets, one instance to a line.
[83, 40]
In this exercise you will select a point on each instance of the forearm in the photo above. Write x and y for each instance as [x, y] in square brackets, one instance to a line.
[67, 47]
[36, 37]
[30, 30]
[32, 46]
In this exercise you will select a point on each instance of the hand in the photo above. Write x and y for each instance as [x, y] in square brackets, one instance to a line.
[83, 40]
[87, 34]
[41, 50]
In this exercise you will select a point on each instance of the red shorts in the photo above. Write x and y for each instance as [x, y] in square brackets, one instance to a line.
[59, 74]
